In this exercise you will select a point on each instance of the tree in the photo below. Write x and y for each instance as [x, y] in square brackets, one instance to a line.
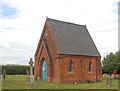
[110, 63]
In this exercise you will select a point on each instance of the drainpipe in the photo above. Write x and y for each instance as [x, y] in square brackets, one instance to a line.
[97, 69]
[81, 61]
[37, 64]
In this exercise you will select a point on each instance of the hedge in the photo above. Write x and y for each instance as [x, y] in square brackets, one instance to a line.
[16, 69]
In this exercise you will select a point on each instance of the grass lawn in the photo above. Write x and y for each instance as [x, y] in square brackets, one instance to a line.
[19, 82]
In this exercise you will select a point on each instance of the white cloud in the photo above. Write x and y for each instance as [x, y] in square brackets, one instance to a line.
[16, 53]
[24, 31]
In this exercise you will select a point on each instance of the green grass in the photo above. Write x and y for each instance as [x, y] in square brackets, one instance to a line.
[19, 82]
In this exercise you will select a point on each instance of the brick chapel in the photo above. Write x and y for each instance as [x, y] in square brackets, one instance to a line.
[66, 53]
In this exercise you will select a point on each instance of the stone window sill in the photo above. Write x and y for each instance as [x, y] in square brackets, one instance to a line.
[71, 72]
[90, 72]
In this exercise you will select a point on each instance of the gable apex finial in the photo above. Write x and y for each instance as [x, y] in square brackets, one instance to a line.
[46, 17]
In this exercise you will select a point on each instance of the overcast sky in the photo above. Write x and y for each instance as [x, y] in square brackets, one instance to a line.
[22, 21]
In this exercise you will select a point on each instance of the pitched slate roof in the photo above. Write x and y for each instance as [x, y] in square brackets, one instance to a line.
[72, 38]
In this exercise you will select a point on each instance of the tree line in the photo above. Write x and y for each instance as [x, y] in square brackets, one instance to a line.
[16, 69]
[111, 63]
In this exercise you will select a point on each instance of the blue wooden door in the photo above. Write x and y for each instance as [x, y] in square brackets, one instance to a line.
[44, 70]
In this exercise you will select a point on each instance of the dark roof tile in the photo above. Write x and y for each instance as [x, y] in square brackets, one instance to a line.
[72, 38]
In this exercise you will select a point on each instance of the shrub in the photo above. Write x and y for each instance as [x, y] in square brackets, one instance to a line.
[88, 81]
[36, 78]
[16, 69]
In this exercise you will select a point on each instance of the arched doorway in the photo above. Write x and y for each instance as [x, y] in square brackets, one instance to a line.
[44, 70]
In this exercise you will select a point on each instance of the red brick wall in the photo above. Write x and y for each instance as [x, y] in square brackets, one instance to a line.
[58, 71]
[80, 74]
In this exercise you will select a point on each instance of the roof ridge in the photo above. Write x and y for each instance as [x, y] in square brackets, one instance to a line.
[66, 22]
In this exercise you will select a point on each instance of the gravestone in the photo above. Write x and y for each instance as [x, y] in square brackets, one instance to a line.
[27, 73]
[4, 75]
[31, 80]
[109, 81]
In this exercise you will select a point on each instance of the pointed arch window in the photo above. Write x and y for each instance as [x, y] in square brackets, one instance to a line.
[70, 66]
[90, 66]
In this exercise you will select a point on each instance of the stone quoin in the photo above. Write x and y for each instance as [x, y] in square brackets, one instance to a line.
[66, 53]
